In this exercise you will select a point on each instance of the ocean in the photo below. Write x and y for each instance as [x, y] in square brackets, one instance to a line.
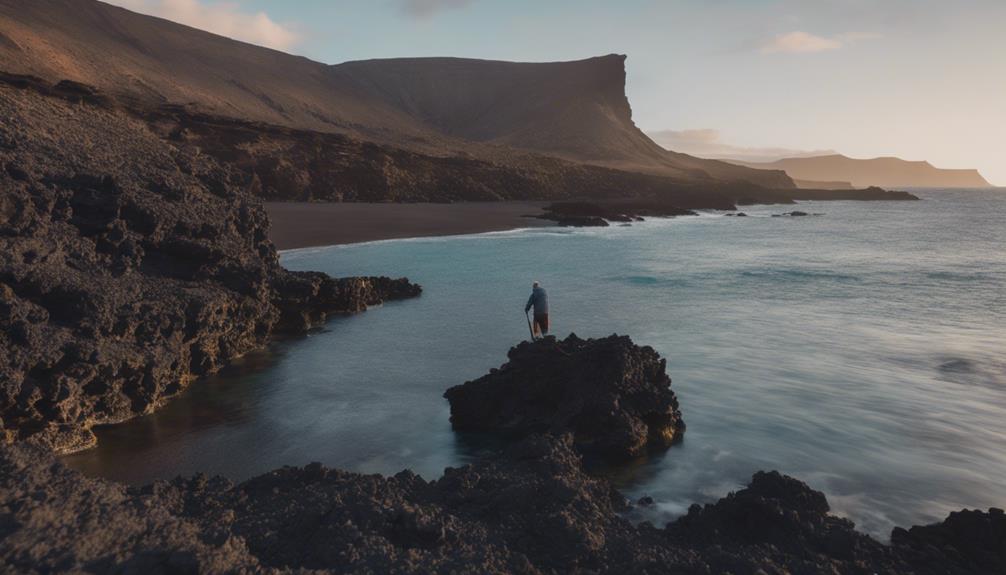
[861, 350]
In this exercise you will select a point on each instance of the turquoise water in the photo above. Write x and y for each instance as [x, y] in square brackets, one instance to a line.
[863, 351]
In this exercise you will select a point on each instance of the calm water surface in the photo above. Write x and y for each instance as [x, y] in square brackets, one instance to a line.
[863, 351]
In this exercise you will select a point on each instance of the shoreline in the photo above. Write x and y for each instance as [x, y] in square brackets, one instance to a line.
[297, 225]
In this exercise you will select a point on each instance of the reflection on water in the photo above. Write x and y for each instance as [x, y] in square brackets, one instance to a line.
[861, 351]
[224, 401]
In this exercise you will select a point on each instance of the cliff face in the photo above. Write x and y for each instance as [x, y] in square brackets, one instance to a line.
[129, 267]
[289, 164]
[498, 112]
[883, 172]
[576, 109]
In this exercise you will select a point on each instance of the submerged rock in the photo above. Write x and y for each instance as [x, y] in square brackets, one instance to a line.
[794, 214]
[613, 396]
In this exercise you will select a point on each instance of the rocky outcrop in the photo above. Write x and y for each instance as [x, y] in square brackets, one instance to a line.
[787, 525]
[870, 194]
[306, 299]
[975, 539]
[129, 267]
[584, 214]
[613, 396]
[529, 510]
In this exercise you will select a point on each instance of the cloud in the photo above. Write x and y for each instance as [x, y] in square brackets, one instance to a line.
[428, 8]
[223, 18]
[799, 42]
[804, 42]
[708, 143]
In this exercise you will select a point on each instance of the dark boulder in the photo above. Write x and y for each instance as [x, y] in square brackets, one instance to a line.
[612, 395]
[773, 510]
[975, 539]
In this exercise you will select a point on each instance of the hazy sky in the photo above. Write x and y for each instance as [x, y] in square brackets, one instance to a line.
[919, 79]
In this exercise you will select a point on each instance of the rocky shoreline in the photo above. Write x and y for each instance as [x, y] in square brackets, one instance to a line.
[530, 508]
[602, 212]
[129, 268]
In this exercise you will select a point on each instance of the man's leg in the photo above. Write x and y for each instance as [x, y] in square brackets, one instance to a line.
[541, 324]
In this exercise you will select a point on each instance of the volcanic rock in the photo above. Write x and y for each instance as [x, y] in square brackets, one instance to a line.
[613, 396]
[531, 510]
[976, 539]
[128, 268]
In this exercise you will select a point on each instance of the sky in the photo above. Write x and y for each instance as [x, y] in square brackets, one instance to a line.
[917, 79]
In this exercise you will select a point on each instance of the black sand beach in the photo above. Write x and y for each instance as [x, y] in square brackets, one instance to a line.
[307, 224]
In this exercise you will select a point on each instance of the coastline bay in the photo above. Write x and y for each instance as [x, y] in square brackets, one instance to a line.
[808, 345]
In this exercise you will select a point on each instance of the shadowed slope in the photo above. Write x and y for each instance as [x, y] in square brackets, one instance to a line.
[444, 106]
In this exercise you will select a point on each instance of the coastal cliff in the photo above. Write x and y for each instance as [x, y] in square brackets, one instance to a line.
[128, 268]
[575, 111]
[279, 163]
[842, 171]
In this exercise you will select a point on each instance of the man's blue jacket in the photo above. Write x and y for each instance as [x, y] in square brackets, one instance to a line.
[538, 300]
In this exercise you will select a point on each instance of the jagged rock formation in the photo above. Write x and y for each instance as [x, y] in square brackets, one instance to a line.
[129, 267]
[613, 396]
[530, 510]
[883, 172]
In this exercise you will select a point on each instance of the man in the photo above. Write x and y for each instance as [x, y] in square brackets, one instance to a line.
[539, 301]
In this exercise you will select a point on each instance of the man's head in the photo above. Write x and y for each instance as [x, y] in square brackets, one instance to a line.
[535, 284]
